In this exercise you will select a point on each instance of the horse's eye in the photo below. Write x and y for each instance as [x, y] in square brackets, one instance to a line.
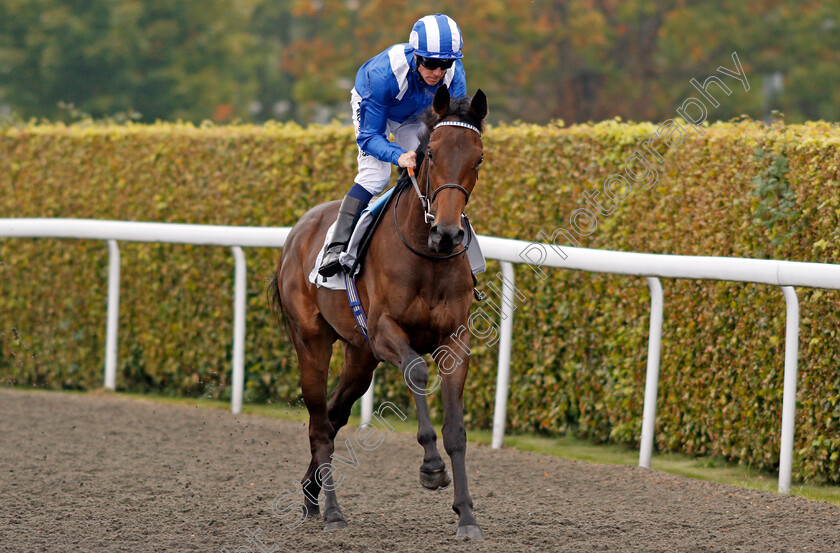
[429, 155]
[480, 161]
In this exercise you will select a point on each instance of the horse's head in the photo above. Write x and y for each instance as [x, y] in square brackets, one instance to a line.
[452, 158]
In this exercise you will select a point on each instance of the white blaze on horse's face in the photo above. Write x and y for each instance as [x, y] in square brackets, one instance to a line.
[454, 155]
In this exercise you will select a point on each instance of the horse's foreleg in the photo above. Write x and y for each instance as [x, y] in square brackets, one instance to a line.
[393, 345]
[433, 473]
[455, 442]
[354, 381]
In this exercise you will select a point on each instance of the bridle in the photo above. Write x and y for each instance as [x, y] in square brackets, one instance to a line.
[427, 204]
[427, 200]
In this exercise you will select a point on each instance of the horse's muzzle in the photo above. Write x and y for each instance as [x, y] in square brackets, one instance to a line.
[444, 238]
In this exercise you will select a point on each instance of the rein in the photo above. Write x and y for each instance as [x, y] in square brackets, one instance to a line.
[427, 201]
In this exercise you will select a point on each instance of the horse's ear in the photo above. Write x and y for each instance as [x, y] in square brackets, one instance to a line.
[441, 102]
[478, 107]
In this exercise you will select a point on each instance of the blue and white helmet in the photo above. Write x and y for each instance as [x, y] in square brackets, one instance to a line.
[437, 36]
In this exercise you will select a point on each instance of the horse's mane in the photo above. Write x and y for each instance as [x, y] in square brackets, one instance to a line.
[458, 108]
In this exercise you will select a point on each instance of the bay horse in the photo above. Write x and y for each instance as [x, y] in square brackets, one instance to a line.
[417, 292]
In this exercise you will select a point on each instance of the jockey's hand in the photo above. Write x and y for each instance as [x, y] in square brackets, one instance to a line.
[408, 159]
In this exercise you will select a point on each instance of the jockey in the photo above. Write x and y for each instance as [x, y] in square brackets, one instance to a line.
[391, 91]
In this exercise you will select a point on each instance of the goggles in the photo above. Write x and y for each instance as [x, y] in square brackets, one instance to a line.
[434, 63]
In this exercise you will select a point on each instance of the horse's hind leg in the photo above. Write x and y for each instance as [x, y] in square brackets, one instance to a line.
[314, 350]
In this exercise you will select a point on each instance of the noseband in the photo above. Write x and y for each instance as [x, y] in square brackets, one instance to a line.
[427, 201]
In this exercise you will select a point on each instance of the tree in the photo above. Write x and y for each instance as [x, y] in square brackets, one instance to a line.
[537, 60]
[164, 58]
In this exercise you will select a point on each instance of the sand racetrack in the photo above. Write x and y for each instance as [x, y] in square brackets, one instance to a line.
[100, 472]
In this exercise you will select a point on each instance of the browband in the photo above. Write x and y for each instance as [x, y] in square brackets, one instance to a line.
[458, 124]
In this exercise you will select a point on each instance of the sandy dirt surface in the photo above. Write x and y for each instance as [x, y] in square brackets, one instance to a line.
[108, 473]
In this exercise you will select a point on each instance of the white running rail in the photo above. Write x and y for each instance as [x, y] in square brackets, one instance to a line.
[171, 233]
[785, 274]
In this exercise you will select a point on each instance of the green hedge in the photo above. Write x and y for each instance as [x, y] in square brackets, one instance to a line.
[741, 189]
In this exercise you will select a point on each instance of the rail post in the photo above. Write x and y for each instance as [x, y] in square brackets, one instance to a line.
[505, 345]
[367, 402]
[238, 379]
[112, 325]
[789, 397]
[652, 374]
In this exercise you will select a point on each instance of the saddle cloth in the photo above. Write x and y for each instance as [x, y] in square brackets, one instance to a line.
[358, 242]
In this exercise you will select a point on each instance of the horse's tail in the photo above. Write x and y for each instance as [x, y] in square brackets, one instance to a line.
[275, 304]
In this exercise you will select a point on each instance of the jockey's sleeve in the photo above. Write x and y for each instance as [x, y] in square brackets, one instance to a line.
[373, 120]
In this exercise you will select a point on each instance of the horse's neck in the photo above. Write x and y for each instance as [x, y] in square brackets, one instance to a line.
[415, 270]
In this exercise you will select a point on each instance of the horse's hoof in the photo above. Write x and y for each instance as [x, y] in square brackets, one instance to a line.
[334, 520]
[338, 525]
[434, 480]
[472, 532]
[311, 511]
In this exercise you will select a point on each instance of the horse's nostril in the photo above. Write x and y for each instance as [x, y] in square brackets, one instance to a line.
[434, 230]
[459, 236]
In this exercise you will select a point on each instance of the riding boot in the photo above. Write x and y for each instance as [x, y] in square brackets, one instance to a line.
[347, 214]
